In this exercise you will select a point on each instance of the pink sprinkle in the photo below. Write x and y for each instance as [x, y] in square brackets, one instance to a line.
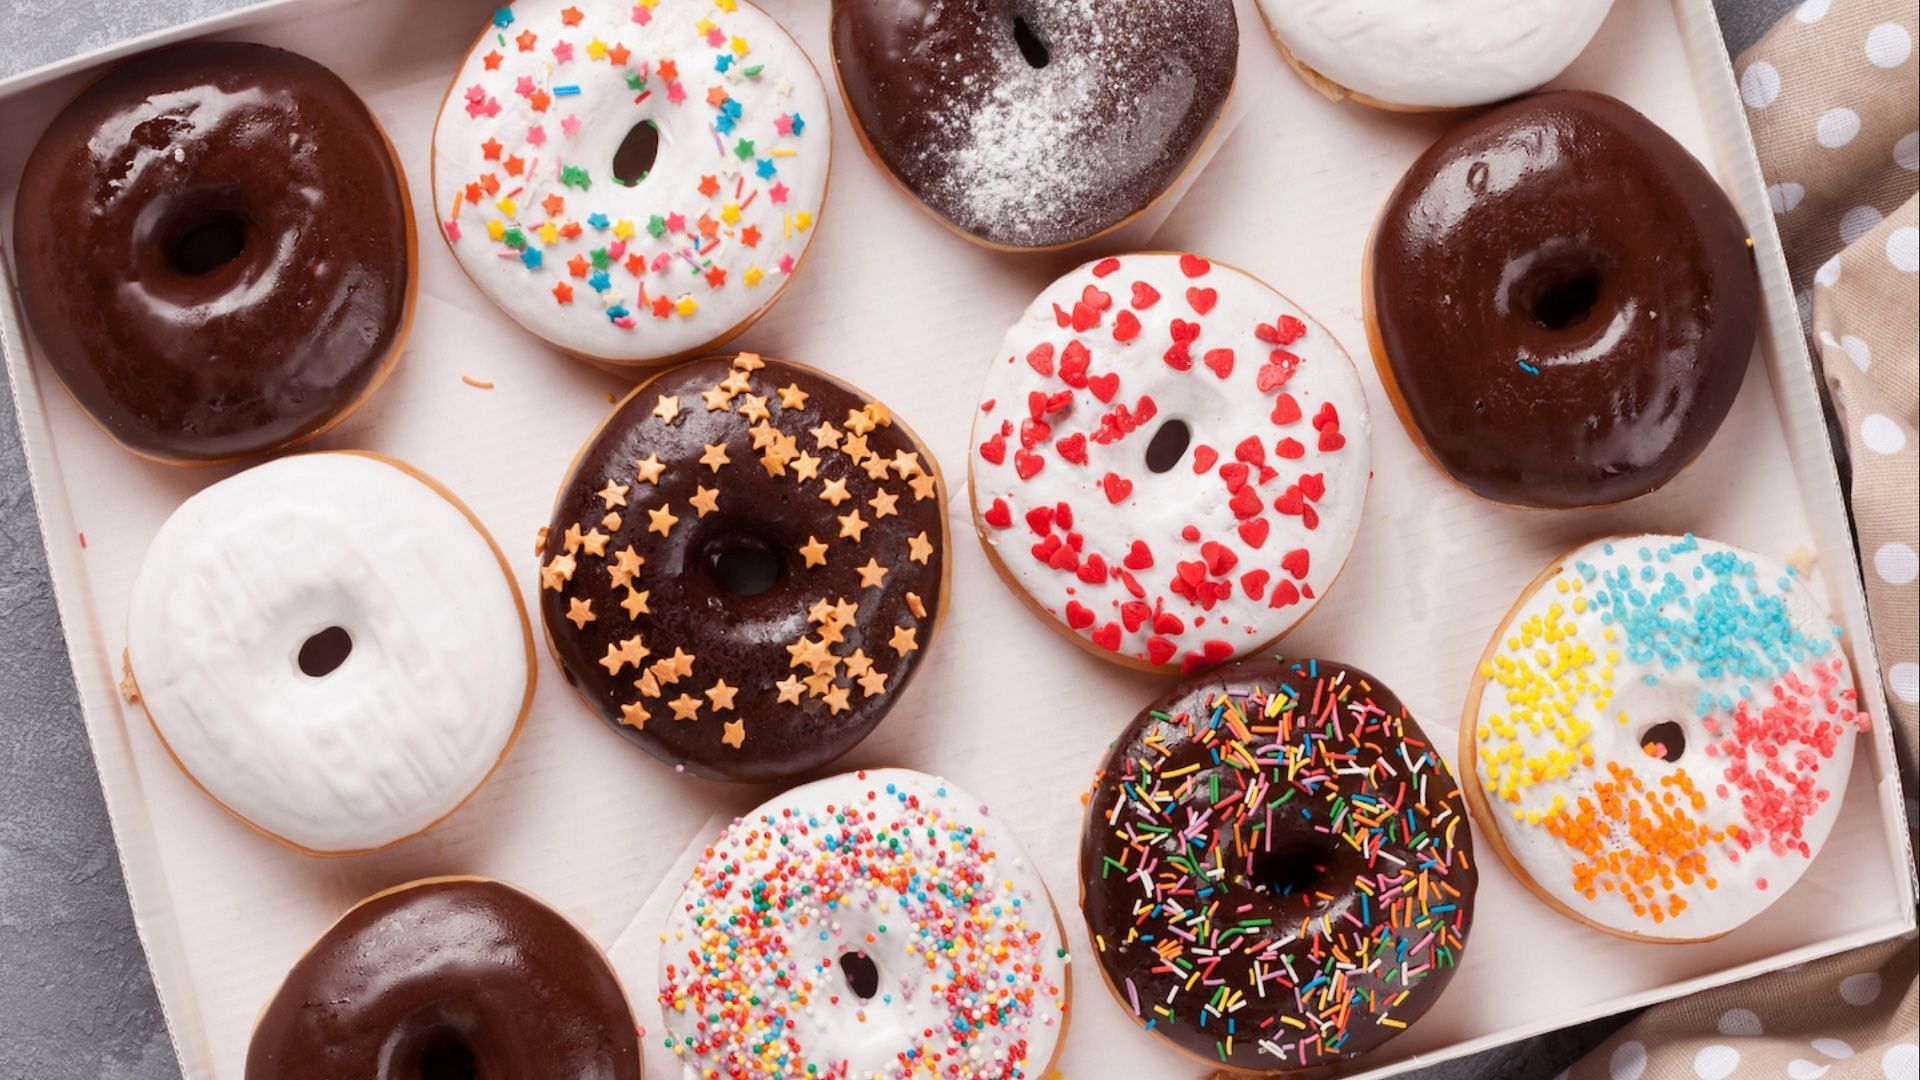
[783, 124]
[524, 87]
[536, 135]
[641, 15]
[715, 37]
[624, 322]
[563, 51]
[778, 192]
[453, 231]
[676, 222]
[476, 93]
[662, 261]
[617, 249]
[571, 125]
[676, 93]
[786, 264]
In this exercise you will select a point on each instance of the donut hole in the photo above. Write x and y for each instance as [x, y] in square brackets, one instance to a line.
[446, 1056]
[863, 978]
[207, 244]
[1168, 446]
[1665, 741]
[637, 153]
[742, 564]
[1031, 47]
[1290, 871]
[1559, 293]
[324, 652]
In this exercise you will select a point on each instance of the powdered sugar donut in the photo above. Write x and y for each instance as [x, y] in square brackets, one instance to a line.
[331, 647]
[551, 200]
[876, 923]
[1660, 734]
[1170, 460]
[1448, 55]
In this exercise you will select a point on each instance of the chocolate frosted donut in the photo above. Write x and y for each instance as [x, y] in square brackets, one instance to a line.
[1035, 123]
[1561, 302]
[745, 567]
[1277, 870]
[448, 977]
[214, 246]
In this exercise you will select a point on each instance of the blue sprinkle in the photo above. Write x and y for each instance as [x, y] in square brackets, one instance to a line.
[503, 17]
[531, 257]
[1528, 368]
[568, 90]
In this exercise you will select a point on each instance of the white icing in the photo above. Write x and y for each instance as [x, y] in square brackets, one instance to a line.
[762, 207]
[899, 866]
[1674, 696]
[1439, 54]
[427, 699]
[1221, 413]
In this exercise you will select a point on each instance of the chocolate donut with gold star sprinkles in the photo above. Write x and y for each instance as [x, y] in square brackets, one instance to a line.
[1277, 870]
[745, 567]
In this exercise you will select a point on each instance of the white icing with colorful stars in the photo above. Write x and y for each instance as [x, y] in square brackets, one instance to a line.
[248, 571]
[1665, 732]
[524, 181]
[1235, 542]
[1437, 54]
[887, 875]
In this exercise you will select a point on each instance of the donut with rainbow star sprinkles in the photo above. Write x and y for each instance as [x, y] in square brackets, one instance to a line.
[1277, 869]
[1659, 735]
[635, 182]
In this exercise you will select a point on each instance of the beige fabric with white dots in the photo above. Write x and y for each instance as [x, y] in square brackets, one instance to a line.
[1834, 103]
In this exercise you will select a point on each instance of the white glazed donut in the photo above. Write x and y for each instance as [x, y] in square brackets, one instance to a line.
[243, 598]
[525, 189]
[876, 923]
[1235, 539]
[1661, 732]
[1436, 54]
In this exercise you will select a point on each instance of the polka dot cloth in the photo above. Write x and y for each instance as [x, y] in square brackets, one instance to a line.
[1830, 98]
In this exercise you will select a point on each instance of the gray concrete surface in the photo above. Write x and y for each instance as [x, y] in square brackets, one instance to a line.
[75, 996]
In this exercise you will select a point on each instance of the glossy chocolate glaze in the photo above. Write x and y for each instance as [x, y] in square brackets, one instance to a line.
[1254, 842]
[1565, 300]
[715, 681]
[172, 152]
[1025, 156]
[444, 975]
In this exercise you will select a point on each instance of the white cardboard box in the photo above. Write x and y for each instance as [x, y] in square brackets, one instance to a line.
[912, 314]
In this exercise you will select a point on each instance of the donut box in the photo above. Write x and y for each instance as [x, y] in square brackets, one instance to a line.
[1005, 707]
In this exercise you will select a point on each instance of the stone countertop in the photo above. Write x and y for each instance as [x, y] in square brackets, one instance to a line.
[76, 999]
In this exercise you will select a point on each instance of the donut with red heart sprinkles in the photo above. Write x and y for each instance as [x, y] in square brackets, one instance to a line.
[1170, 460]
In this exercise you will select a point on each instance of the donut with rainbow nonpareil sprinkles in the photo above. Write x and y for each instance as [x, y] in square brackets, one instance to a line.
[1660, 734]
[1170, 460]
[634, 182]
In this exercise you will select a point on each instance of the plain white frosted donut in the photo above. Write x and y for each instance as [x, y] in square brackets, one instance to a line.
[1436, 54]
[1232, 545]
[890, 866]
[1632, 633]
[524, 187]
[428, 697]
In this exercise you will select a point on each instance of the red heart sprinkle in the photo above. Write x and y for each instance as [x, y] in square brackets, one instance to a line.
[1328, 416]
[1094, 570]
[1095, 299]
[1203, 459]
[1144, 409]
[1177, 356]
[1160, 650]
[1194, 265]
[998, 515]
[1246, 503]
[1290, 501]
[1108, 637]
[1235, 474]
[1073, 364]
[1126, 326]
[1079, 616]
[1313, 485]
[1289, 448]
[1026, 465]
[1061, 317]
[1104, 386]
[1060, 402]
[1033, 433]
[1254, 533]
[1331, 440]
[1168, 624]
[1040, 520]
[1285, 409]
[1117, 487]
[1105, 267]
[1139, 556]
[1190, 534]
[1085, 317]
[1045, 549]
[1063, 514]
[1183, 330]
[1064, 557]
[1144, 296]
[1202, 300]
[1254, 583]
[995, 449]
[1295, 562]
[1193, 572]
[1220, 558]
[1036, 404]
[1040, 358]
[1250, 451]
[1072, 448]
[1135, 614]
[1284, 594]
[1288, 330]
[1220, 360]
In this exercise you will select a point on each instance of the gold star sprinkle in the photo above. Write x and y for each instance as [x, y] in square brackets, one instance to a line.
[614, 494]
[734, 733]
[736, 382]
[835, 491]
[570, 540]
[668, 408]
[876, 467]
[626, 563]
[836, 699]
[914, 605]
[806, 467]
[661, 520]
[819, 683]
[873, 683]
[826, 435]
[595, 543]
[715, 456]
[878, 413]
[754, 408]
[721, 694]
[705, 499]
[631, 651]
[681, 663]
[717, 398]
[764, 435]
[685, 707]
[647, 470]
[905, 463]
[872, 574]
[579, 612]
[852, 525]
[747, 361]
[919, 548]
[902, 640]
[924, 486]
[855, 447]
[540, 542]
[790, 689]
[559, 571]
[612, 521]
[635, 603]
[858, 422]
[844, 612]
[813, 551]
[821, 611]
[883, 503]
[647, 684]
[859, 664]
[634, 715]
[792, 397]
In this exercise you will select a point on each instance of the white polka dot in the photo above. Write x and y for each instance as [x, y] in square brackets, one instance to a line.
[1858, 222]
[1740, 1022]
[1860, 990]
[1837, 1049]
[1882, 434]
[1903, 679]
[1812, 10]
[1829, 272]
[1897, 564]
[1716, 1062]
[1906, 152]
[1901, 1062]
[1889, 45]
[1785, 197]
[1629, 1060]
[1837, 127]
[1903, 249]
[1801, 1069]
[1857, 352]
[1759, 84]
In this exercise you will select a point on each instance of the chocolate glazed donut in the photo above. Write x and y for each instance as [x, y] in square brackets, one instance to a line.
[448, 977]
[1035, 124]
[1562, 303]
[746, 567]
[1277, 870]
[214, 245]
